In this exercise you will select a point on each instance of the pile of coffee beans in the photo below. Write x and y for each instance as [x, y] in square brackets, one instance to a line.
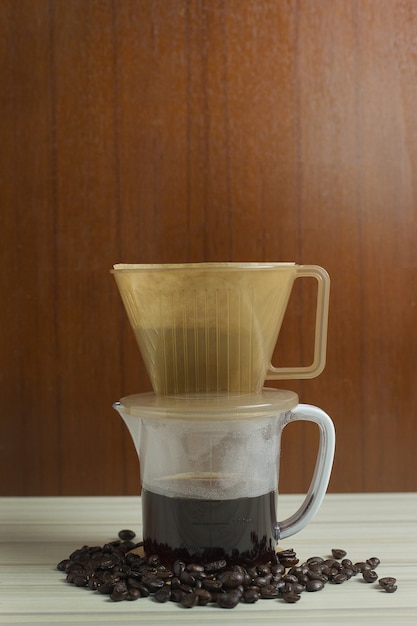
[116, 570]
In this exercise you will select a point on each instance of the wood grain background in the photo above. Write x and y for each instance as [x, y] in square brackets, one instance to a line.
[205, 130]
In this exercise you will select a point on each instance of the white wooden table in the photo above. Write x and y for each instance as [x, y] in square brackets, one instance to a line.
[36, 533]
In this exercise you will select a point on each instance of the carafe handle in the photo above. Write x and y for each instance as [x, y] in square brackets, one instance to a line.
[320, 335]
[322, 470]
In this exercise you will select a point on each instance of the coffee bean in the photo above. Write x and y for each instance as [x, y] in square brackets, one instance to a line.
[176, 595]
[153, 584]
[251, 595]
[133, 594]
[188, 600]
[212, 584]
[63, 565]
[178, 567]
[228, 600]
[231, 579]
[314, 585]
[126, 535]
[162, 595]
[339, 578]
[262, 581]
[338, 553]
[263, 569]
[291, 597]
[288, 558]
[278, 568]
[204, 596]
[370, 576]
[195, 568]
[119, 592]
[362, 566]
[187, 578]
[349, 572]
[124, 575]
[312, 575]
[269, 592]
[215, 566]
[314, 560]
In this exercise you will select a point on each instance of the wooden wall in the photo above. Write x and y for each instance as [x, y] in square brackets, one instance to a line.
[204, 130]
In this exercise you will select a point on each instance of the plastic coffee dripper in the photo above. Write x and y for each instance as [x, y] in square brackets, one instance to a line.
[209, 472]
[213, 327]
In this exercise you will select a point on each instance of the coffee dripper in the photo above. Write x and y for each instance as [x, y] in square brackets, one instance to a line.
[208, 437]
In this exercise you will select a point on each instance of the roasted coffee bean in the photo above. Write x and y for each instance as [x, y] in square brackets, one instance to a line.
[126, 535]
[361, 566]
[106, 587]
[228, 600]
[187, 578]
[278, 568]
[370, 576]
[338, 553]
[204, 596]
[349, 572]
[176, 595]
[119, 592]
[288, 558]
[63, 565]
[262, 581]
[164, 573]
[212, 584]
[314, 585]
[215, 566]
[178, 567]
[263, 569]
[133, 594]
[124, 575]
[339, 578]
[291, 597]
[312, 575]
[290, 578]
[93, 583]
[314, 560]
[154, 560]
[231, 578]
[188, 600]
[299, 571]
[162, 595]
[153, 584]
[269, 592]
[251, 595]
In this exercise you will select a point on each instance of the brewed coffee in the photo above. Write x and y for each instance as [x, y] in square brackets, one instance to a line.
[240, 530]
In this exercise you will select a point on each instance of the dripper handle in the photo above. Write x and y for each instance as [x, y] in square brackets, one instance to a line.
[320, 336]
[322, 470]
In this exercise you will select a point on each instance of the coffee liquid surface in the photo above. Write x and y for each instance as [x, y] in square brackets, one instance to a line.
[240, 530]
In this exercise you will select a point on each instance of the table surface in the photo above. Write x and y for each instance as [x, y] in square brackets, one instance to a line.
[37, 533]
